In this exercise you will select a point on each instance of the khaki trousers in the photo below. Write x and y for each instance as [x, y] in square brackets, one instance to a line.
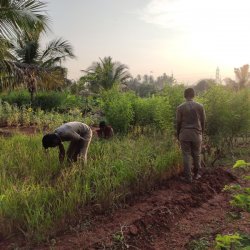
[191, 152]
[79, 150]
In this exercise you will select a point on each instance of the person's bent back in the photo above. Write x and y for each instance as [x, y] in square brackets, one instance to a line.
[79, 135]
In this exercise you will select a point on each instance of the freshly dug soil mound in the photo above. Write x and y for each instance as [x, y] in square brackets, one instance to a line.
[145, 223]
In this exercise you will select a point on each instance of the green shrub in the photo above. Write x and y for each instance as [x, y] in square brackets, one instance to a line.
[143, 111]
[228, 241]
[45, 100]
[118, 109]
[48, 100]
[234, 241]
[20, 97]
[175, 97]
[241, 195]
[60, 101]
[124, 110]
[163, 117]
[240, 199]
[153, 111]
[227, 114]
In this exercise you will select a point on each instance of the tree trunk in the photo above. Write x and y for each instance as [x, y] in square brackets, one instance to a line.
[32, 94]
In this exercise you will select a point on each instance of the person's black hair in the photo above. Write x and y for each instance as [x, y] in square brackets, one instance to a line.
[102, 124]
[49, 140]
[189, 93]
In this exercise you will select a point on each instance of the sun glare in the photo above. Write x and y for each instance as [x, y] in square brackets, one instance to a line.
[214, 30]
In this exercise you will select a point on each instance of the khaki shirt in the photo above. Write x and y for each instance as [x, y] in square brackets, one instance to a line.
[74, 131]
[190, 118]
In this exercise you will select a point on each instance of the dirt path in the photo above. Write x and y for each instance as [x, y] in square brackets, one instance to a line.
[167, 218]
[10, 130]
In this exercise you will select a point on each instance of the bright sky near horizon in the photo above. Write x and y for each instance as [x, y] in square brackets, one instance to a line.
[187, 38]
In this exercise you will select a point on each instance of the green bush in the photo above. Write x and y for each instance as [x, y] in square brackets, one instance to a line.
[175, 97]
[241, 199]
[227, 114]
[153, 111]
[118, 109]
[20, 98]
[46, 100]
[163, 117]
[124, 110]
[49, 100]
[144, 111]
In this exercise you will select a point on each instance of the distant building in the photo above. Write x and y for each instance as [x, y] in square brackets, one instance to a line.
[217, 76]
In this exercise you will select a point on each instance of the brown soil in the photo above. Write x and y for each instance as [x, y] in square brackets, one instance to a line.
[167, 218]
[10, 130]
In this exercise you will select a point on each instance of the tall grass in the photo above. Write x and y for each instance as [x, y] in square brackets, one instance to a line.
[37, 194]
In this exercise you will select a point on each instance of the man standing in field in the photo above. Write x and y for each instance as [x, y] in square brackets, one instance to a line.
[190, 117]
[79, 134]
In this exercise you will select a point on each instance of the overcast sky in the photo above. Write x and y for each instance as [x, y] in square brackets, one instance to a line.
[187, 38]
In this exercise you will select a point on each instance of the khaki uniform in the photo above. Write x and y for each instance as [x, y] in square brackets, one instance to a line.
[190, 117]
[79, 135]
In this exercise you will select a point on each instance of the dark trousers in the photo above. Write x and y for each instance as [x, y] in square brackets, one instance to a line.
[191, 152]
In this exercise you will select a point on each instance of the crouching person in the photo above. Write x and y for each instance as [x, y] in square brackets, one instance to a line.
[105, 131]
[79, 134]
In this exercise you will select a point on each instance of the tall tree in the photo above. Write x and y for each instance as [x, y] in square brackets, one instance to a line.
[27, 50]
[242, 76]
[105, 74]
[17, 16]
[204, 84]
[231, 84]
[22, 59]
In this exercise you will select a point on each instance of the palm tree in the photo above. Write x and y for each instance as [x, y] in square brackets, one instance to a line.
[27, 51]
[15, 17]
[242, 75]
[105, 74]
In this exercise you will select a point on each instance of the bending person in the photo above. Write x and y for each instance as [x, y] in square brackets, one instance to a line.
[79, 134]
[105, 131]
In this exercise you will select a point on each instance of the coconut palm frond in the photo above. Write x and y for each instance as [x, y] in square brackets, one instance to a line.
[121, 73]
[105, 74]
[5, 47]
[56, 51]
[18, 15]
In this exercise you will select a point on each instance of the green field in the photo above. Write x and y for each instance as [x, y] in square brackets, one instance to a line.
[37, 193]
